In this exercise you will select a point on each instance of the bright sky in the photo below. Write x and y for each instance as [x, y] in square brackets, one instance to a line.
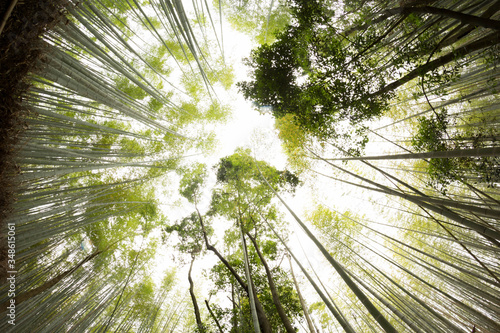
[239, 131]
[249, 128]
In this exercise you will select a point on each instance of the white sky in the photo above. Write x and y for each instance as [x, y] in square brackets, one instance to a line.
[248, 128]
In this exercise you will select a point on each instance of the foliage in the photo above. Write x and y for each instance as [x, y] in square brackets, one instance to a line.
[240, 168]
[337, 230]
[128, 92]
[190, 234]
[312, 73]
[259, 19]
[192, 181]
[224, 281]
[433, 134]
[293, 140]
[242, 196]
[325, 76]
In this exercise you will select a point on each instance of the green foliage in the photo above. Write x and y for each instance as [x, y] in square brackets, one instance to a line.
[124, 84]
[259, 19]
[192, 180]
[270, 249]
[222, 73]
[338, 231]
[242, 193]
[433, 135]
[223, 280]
[240, 168]
[335, 81]
[324, 317]
[196, 110]
[190, 234]
[293, 140]
[217, 112]
[313, 75]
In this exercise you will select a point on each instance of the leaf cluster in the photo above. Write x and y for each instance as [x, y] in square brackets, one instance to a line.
[190, 233]
[436, 133]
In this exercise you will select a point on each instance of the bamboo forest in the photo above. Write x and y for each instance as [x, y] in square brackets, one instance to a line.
[239, 166]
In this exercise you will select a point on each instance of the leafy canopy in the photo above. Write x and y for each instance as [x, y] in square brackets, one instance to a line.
[312, 72]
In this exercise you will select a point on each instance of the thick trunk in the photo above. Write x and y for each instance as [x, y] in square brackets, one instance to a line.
[277, 303]
[488, 40]
[265, 325]
[477, 152]
[193, 298]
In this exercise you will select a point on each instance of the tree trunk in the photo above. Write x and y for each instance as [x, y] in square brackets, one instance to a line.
[7, 15]
[383, 16]
[193, 298]
[301, 299]
[464, 18]
[214, 317]
[463, 31]
[52, 282]
[276, 300]
[265, 325]
[234, 320]
[482, 21]
[488, 40]
[376, 314]
[456, 153]
[251, 287]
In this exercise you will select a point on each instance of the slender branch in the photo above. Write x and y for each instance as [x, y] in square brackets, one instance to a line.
[214, 317]
[7, 15]
[301, 299]
[464, 18]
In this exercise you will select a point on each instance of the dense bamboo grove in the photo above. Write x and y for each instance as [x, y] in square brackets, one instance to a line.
[392, 104]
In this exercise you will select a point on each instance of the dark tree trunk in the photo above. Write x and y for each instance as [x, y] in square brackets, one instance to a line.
[213, 316]
[464, 18]
[193, 298]
[488, 40]
[272, 286]
[264, 323]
